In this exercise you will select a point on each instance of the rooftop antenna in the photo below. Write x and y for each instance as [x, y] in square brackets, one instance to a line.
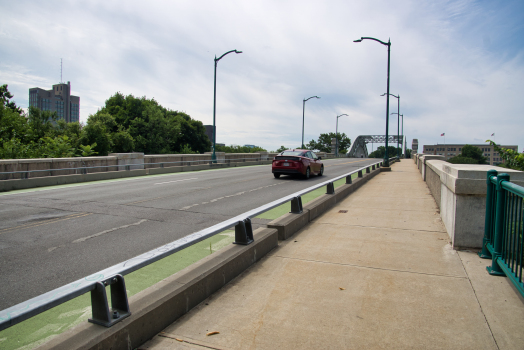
[60, 71]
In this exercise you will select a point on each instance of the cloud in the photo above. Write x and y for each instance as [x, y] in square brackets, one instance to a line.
[457, 65]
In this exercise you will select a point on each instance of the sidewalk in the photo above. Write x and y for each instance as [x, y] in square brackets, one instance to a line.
[380, 276]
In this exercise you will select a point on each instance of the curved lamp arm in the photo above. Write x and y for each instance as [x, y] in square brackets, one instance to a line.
[311, 98]
[384, 94]
[368, 38]
[218, 59]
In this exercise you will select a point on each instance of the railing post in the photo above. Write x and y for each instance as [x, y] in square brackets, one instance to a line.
[348, 179]
[244, 232]
[495, 269]
[119, 302]
[330, 188]
[484, 253]
[367, 170]
[360, 173]
[296, 205]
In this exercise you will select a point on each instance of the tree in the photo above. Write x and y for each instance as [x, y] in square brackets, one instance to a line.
[380, 152]
[512, 159]
[324, 143]
[469, 155]
[239, 149]
[281, 149]
[408, 153]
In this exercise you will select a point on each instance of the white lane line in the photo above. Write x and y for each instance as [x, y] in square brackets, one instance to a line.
[107, 231]
[168, 182]
[231, 195]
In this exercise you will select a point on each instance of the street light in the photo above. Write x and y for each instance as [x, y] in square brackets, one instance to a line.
[213, 157]
[388, 44]
[303, 108]
[398, 136]
[336, 134]
[398, 114]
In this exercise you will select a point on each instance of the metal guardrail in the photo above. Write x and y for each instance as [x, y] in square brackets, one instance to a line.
[503, 241]
[113, 276]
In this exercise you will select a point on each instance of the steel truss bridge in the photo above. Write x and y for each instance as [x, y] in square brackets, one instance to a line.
[359, 149]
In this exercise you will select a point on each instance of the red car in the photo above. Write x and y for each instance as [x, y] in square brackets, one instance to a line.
[297, 161]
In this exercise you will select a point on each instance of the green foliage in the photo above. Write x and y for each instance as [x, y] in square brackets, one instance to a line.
[512, 159]
[408, 153]
[281, 149]
[381, 151]
[239, 149]
[324, 143]
[5, 96]
[87, 151]
[187, 150]
[469, 155]
[124, 124]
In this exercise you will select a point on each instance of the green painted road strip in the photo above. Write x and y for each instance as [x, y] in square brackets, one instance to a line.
[286, 207]
[41, 328]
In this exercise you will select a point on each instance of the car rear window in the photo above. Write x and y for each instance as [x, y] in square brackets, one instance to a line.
[293, 153]
[286, 158]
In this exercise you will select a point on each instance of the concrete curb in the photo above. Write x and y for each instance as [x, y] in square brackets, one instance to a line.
[20, 184]
[158, 306]
[290, 223]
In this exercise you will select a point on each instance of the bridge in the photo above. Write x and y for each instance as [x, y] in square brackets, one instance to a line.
[359, 147]
[326, 274]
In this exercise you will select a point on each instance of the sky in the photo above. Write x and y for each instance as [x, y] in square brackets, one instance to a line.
[458, 65]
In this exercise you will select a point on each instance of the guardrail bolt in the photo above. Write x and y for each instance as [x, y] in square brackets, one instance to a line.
[115, 314]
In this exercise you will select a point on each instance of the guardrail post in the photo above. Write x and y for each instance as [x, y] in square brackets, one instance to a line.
[100, 307]
[24, 175]
[244, 232]
[360, 173]
[495, 269]
[348, 179]
[373, 167]
[485, 253]
[367, 170]
[330, 188]
[296, 205]
[162, 165]
[128, 167]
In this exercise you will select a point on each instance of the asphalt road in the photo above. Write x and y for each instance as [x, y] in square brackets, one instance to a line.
[55, 235]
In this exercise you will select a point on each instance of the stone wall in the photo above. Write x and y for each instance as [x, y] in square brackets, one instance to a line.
[462, 197]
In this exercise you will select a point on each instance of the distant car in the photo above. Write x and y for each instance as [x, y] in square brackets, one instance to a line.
[297, 162]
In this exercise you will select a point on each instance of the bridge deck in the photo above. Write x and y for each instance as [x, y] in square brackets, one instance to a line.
[381, 275]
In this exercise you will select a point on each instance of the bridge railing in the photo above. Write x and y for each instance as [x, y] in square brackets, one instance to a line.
[113, 276]
[24, 174]
[504, 228]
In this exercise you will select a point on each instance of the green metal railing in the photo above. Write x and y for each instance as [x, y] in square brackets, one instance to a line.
[504, 228]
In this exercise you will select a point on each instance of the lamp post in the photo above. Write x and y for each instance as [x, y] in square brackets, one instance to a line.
[398, 136]
[398, 117]
[388, 44]
[303, 109]
[336, 135]
[213, 156]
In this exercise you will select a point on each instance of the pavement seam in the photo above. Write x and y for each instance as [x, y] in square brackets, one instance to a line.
[368, 267]
[478, 301]
[376, 227]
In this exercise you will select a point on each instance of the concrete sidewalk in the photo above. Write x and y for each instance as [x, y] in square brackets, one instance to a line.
[374, 272]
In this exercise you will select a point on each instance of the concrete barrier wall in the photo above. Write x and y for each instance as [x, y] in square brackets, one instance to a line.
[462, 198]
[81, 166]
